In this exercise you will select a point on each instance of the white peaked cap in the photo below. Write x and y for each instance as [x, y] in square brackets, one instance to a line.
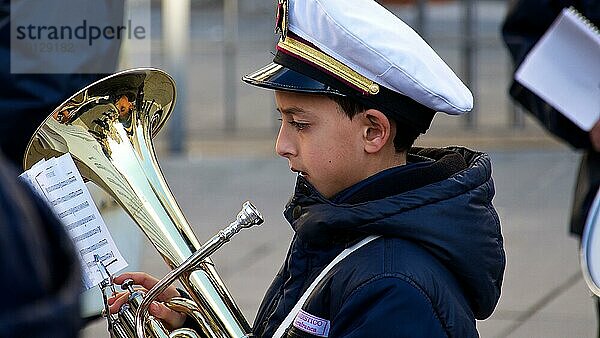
[375, 43]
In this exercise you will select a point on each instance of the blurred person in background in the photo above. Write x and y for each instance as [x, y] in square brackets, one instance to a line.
[38, 264]
[524, 25]
[27, 99]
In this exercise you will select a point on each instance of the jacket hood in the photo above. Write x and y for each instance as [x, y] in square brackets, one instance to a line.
[453, 218]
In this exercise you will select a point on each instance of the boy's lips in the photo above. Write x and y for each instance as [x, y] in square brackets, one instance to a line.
[302, 173]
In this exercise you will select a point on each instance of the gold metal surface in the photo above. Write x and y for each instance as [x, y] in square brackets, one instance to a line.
[107, 128]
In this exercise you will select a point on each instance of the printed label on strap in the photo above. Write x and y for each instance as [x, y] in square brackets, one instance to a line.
[311, 324]
[297, 311]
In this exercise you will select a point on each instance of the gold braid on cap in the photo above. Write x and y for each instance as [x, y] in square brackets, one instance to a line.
[328, 63]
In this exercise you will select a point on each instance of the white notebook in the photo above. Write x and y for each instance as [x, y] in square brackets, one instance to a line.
[564, 68]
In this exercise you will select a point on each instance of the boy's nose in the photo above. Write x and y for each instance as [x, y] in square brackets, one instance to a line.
[284, 145]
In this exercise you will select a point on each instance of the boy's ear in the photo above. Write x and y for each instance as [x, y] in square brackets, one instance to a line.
[377, 130]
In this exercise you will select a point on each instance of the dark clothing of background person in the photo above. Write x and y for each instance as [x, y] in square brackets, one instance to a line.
[437, 268]
[38, 264]
[525, 23]
[27, 99]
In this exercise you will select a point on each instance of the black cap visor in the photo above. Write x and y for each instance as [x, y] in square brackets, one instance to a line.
[277, 77]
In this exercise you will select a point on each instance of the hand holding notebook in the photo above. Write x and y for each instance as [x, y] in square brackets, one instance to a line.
[564, 68]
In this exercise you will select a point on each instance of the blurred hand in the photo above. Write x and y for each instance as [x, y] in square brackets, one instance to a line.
[172, 319]
[595, 136]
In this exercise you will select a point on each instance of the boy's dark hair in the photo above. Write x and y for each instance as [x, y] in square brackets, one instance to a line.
[405, 134]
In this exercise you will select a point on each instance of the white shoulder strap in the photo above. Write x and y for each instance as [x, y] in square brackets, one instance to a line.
[290, 317]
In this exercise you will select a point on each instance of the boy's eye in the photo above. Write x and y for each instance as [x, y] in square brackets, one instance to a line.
[298, 125]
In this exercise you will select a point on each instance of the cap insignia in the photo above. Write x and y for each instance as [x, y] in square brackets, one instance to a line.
[281, 19]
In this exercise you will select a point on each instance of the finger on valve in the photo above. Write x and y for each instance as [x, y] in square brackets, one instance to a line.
[116, 301]
[147, 281]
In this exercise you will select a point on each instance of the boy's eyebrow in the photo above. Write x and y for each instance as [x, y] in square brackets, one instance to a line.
[293, 110]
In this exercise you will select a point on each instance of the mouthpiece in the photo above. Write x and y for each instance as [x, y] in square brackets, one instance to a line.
[249, 215]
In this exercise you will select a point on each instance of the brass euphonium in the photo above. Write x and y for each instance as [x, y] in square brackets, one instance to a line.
[107, 128]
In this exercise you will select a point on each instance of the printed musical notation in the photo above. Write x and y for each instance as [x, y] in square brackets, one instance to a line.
[67, 197]
[60, 184]
[57, 180]
[82, 221]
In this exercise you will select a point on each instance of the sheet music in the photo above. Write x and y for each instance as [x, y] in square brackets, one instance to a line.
[61, 185]
[564, 69]
[28, 176]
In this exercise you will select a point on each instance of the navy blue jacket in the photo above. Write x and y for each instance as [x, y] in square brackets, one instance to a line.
[437, 267]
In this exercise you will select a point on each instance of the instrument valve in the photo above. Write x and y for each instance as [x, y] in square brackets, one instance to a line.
[128, 285]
